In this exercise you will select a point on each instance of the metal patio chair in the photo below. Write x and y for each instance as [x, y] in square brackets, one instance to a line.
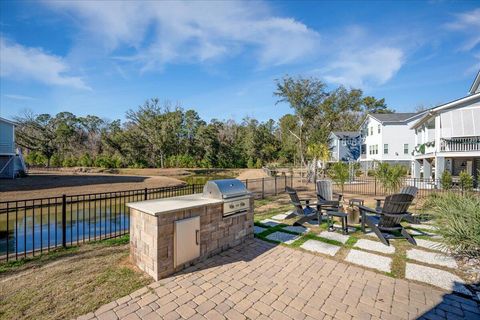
[387, 223]
[303, 208]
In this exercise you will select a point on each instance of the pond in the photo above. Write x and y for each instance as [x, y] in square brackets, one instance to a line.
[201, 176]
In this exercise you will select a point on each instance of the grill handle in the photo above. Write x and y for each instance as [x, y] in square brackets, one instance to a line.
[197, 237]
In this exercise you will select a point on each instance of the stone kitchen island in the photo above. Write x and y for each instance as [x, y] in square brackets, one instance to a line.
[166, 235]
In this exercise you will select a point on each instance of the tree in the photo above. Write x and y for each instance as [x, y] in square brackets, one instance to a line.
[372, 105]
[37, 133]
[319, 152]
[339, 173]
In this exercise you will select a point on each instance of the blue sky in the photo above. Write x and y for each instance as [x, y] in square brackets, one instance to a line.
[221, 58]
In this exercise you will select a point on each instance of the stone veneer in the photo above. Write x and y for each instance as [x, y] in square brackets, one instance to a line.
[152, 236]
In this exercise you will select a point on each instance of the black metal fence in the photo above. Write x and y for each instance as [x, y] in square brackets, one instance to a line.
[33, 226]
[373, 187]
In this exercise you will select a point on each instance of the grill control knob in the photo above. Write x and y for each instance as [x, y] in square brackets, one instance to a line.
[242, 203]
[232, 206]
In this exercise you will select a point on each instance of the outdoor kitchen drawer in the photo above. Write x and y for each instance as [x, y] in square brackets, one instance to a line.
[187, 240]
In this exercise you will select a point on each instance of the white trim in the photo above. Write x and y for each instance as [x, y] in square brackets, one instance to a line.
[475, 84]
[445, 106]
[7, 121]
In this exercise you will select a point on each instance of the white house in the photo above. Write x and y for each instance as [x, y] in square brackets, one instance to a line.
[386, 137]
[344, 145]
[7, 148]
[447, 137]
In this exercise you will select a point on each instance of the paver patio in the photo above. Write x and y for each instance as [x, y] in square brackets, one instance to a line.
[263, 280]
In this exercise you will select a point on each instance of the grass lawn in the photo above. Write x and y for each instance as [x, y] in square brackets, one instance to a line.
[68, 282]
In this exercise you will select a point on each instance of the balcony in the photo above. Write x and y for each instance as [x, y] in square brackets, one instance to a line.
[460, 144]
[7, 148]
[424, 148]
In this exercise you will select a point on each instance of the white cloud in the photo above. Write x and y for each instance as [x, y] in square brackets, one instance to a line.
[18, 97]
[361, 68]
[469, 23]
[191, 32]
[17, 61]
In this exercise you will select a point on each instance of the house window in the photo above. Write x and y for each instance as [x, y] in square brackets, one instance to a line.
[344, 142]
[385, 149]
[376, 149]
[371, 131]
[405, 148]
[378, 128]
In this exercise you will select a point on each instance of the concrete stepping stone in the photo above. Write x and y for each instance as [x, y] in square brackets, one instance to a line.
[374, 246]
[432, 258]
[369, 260]
[320, 247]
[334, 236]
[270, 222]
[436, 277]
[423, 226]
[287, 238]
[296, 229]
[432, 245]
[280, 216]
[339, 227]
[257, 229]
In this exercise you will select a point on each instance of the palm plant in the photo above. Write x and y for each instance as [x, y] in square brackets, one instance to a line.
[319, 151]
[391, 177]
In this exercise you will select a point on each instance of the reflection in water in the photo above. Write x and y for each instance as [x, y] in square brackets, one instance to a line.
[28, 230]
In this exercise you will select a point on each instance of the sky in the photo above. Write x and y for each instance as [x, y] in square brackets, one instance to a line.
[222, 58]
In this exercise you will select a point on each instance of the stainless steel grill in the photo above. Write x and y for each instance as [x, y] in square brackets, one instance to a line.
[235, 196]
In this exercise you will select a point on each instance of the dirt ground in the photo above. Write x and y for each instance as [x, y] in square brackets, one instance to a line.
[50, 184]
[252, 174]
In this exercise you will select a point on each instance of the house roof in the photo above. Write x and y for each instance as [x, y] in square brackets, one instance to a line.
[393, 117]
[346, 134]
[7, 121]
[475, 88]
[473, 98]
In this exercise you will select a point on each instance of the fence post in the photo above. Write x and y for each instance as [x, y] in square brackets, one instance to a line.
[193, 188]
[285, 183]
[275, 185]
[263, 188]
[145, 194]
[64, 221]
[246, 183]
[375, 185]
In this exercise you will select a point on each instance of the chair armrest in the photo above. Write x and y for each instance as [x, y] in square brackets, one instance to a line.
[328, 203]
[367, 209]
[339, 195]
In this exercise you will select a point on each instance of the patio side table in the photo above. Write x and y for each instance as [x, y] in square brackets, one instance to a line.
[343, 217]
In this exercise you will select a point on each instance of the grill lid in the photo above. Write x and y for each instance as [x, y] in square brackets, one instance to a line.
[224, 189]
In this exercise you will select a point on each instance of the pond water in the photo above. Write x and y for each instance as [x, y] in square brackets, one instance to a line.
[202, 176]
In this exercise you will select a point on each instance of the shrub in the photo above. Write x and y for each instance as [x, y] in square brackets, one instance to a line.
[250, 163]
[339, 173]
[85, 160]
[390, 176]
[258, 164]
[466, 180]
[458, 220]
[70, 161]
[35, 158]
[446, 180]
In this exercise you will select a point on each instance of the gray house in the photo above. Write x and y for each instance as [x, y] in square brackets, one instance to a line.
[7, 148]
[344, 145]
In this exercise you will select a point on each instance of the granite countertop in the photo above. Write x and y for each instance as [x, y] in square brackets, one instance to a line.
[159, 206]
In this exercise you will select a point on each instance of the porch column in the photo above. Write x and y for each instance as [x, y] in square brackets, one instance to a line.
[416, 169]
[427, 169]
[439, 167]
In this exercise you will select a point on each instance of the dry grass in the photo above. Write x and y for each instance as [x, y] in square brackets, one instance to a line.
[68, 283]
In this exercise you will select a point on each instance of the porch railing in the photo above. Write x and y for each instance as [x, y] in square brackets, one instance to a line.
[461, 144]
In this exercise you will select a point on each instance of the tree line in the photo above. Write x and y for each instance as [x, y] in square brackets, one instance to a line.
[162, 134]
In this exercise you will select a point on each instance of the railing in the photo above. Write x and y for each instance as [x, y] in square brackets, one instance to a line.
[32, 226]
[461, 144]
[7, 148]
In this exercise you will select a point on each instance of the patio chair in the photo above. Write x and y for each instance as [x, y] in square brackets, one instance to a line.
[387, 223]
[304, 211]
[411, 218]
[326, 198]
